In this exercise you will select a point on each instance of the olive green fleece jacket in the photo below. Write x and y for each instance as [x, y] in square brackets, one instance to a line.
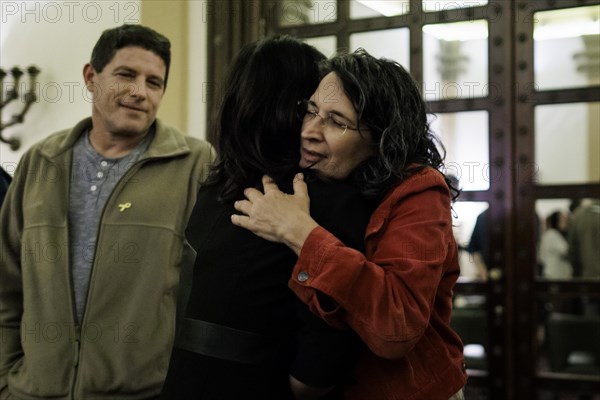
[121, 348]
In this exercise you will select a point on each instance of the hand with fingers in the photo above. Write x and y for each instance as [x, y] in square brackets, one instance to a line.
[277, 216]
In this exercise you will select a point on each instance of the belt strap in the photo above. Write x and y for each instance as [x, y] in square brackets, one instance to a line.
[222, 342]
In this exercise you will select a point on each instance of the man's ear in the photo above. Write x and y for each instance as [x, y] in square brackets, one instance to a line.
[89, 74]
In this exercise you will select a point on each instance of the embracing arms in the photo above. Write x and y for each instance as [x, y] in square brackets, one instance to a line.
[387, 295]
[277, 216]
[325, 354]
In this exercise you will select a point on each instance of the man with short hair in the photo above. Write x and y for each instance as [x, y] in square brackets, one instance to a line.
[92, 237]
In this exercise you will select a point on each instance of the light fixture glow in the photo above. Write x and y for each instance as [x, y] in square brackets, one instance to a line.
[567, 23]
[447, 5]
[387, 8]
[463, 31]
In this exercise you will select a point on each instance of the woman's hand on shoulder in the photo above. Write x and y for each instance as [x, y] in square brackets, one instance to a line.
[277, 216]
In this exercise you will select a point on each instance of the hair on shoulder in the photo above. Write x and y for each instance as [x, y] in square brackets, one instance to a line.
[259, 130]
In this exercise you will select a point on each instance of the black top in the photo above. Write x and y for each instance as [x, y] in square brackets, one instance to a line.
[240, 281]
[5, 180]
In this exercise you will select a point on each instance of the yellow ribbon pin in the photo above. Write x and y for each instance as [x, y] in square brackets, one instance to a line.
[124, 206]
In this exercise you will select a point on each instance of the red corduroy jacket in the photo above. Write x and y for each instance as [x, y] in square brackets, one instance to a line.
[397, 297]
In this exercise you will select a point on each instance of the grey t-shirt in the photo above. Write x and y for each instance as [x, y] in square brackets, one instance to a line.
[93, 178]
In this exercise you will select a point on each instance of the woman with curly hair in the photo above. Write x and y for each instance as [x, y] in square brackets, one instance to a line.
[367, 123]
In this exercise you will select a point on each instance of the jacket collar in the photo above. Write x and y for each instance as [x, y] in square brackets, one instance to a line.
[167, 142]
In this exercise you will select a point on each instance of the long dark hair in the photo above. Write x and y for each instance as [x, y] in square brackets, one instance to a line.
[388, 102]
[259, 131]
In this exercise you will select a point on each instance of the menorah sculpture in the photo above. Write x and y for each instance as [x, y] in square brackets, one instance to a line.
[12, 94]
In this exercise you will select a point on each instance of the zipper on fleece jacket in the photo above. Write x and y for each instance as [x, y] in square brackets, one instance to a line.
[76, 351]
[79, 343]
[76, 329]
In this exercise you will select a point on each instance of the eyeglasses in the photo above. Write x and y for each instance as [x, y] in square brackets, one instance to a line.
[307, 111]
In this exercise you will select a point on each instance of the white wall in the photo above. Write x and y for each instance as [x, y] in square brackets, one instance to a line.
[197, 71]
[58, 37]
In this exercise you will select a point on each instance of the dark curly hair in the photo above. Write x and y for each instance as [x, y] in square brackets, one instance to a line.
[259, 131]
[388, 102]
